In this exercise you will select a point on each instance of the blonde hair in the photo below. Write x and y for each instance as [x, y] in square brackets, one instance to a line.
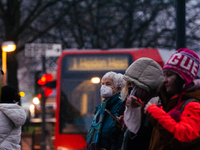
[124, 92]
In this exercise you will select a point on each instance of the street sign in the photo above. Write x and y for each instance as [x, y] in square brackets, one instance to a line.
[42, 49]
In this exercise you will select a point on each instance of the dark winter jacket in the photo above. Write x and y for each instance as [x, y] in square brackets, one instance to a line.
[146, 74]
[110, 135]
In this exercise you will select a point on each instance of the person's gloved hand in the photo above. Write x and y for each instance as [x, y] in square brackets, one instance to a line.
[132, 101]
[154, 100]
[146, 106]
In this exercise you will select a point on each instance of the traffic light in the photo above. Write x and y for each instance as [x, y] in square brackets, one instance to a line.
[44, 83]
[45, 79]
[38, 75]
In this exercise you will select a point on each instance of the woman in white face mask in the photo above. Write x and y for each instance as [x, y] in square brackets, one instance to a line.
[108, 88]
[103, 134]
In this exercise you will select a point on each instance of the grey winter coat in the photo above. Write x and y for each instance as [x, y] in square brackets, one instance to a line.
[12, 117]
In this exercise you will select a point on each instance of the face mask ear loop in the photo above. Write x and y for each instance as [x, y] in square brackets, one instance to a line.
[118, 88]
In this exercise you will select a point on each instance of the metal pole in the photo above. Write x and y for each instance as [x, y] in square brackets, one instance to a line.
[43, 64]
[43, 142]
[180, 24]
[43, 101]
[4, 66]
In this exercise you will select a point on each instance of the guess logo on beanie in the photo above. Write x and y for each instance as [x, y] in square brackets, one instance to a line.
[185, 63]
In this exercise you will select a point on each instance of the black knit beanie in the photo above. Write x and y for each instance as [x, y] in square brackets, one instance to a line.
[9, 95]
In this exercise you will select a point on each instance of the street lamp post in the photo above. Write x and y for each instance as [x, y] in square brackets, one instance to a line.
[7, 46]
[180, 24]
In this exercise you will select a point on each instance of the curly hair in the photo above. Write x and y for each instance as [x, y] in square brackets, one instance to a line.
[117, 79]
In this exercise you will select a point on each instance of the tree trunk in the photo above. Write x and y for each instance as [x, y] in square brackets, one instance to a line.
[12, 66]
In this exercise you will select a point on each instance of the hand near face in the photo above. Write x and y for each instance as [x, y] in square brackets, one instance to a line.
[132, 101]
[147, 105]
[152, 101]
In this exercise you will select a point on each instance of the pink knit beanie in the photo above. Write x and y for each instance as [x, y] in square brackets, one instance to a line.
[185, 63]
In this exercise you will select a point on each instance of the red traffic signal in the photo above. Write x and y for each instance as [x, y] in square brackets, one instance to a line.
[47, 91]
[39, 95]
[44, 79]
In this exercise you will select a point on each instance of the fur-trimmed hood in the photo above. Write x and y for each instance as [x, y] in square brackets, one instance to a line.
[144, 73]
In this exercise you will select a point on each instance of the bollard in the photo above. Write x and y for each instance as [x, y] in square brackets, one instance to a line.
[36, 139]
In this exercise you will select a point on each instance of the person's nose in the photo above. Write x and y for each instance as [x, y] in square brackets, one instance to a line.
[165, 79]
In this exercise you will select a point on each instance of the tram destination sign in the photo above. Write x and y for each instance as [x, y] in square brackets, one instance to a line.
[42, 49]
[97, 62]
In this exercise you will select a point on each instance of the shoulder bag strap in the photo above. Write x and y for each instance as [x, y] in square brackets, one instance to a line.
[186, 102]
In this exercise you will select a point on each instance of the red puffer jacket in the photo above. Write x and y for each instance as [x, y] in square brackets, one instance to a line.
[171, 135]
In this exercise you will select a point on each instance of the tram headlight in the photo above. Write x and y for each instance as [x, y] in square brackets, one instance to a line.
[62, 148]
[95, 80]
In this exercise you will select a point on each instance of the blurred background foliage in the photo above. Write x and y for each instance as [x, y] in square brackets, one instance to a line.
[89, 24]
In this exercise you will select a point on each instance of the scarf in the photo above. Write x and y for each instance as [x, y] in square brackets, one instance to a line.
[94, 130]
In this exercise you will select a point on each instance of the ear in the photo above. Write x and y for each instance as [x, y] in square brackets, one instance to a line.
[119, 89]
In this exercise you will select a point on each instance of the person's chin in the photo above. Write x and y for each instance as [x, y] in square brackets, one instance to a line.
[168, 90]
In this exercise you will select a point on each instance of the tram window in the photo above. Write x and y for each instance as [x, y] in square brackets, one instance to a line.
[79, 96]
[77, 105]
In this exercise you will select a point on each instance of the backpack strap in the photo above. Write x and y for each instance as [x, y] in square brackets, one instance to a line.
[185, 103]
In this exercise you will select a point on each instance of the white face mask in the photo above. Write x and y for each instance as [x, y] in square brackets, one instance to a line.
[106, 91]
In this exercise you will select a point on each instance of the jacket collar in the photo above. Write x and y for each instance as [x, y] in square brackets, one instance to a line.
[172, 102]
[113, 100]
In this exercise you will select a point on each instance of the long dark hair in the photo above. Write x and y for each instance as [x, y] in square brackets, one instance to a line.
[164, 96]
[179, 83]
